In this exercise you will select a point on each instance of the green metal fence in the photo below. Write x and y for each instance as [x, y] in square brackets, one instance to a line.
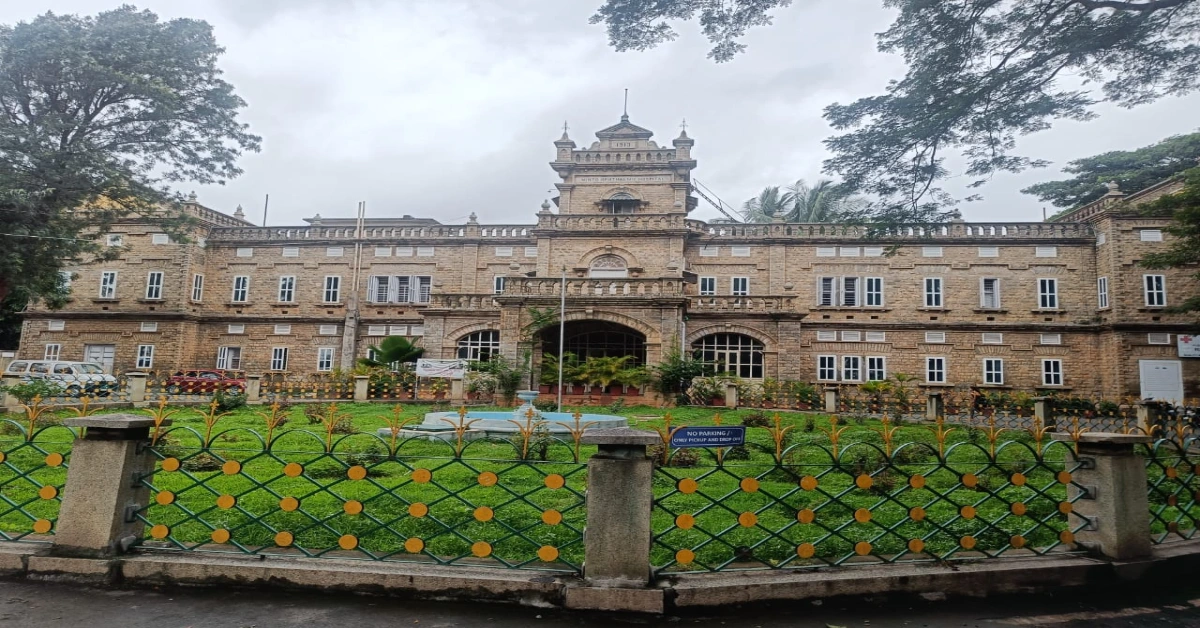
[33, 471]
[1174, 485]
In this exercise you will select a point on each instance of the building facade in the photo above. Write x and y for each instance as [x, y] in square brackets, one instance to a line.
[1048, 306]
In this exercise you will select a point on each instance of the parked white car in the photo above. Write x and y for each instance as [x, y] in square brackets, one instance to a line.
[75, 378]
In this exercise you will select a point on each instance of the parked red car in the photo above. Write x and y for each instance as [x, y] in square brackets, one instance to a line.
[206, 381]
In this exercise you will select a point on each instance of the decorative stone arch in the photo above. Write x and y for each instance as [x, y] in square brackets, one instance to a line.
[450, 340]
[628, 192]
[768, 341]
[631, 262]
[653, 337]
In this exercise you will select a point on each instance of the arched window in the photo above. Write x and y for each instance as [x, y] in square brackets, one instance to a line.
[621, 203]
[735, 354]
[480, 346]
[609, 267]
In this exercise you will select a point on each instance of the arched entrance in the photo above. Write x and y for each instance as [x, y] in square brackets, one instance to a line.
[590, 338]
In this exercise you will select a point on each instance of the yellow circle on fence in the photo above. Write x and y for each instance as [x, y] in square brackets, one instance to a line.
[1065, 508]
[862, 548]
[414, 545]
[967, 542]
[1017, 541]
[806, 516]
[749, 485]
[806, 550]
[687, 486]
[917, 513]
[1017, 479]
[747, 519]
[916, 546]
[808, 483]
[47, 492]
[289, 504]
[863, 481]
[231, 467]
[1018, 509]
[54, 460]
[1171, 472]
[356, 473]
[547, 553]
[284, 539]
[969, 480]
[483, 513]
[1066, 536]
[555, 481]
[225, 502]
[220, 536]
[352, 507]
[165, 498]
[417, 510]
[552, 517]
[487, 478]
[685, 522]
[1064, 477]
[160, 531]
[293, 469]
[862, 515]
[917, 481]
[421, 476]
[2, 456]
[967, 512]
[348, 542]
[42, 526]
[482, 549]
[685, 557]
[170, 464]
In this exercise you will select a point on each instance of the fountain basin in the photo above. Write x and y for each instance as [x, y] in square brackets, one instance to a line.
[440, 425]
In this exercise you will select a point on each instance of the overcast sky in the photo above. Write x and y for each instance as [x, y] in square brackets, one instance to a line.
[440, 108]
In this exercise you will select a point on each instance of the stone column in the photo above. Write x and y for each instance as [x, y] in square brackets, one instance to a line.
[831, 399]
[731, 396]
[1043, 410]
[456, 391]
[935, 406]
[1114, 507]
[101, 494]
[361, 387]
[254, 389]
[137, 389]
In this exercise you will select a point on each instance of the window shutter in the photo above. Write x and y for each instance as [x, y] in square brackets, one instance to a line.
[372, 288]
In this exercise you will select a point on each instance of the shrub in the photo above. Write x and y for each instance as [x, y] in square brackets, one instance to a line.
[202, 462]
[616, 406]
[546, 406]
[739, 452]
[704, 389]
[810, 423]
[228, 402]
[315, 413]
[684, 458]
[756, 419]
[26, 391]
[674, 375]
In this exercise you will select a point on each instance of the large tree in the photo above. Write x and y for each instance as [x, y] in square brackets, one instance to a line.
[980, 74]
[98, 116]
[825, 201]
[1184, 251]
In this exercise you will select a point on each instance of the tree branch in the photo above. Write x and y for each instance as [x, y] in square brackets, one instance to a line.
[1124, 5]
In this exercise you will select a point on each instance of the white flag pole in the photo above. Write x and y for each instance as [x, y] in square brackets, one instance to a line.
[562, 322]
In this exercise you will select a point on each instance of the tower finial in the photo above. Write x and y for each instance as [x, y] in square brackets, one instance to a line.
[625, 111]
[565, 128]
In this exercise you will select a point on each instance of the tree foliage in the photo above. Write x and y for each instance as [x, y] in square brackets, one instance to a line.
[392, 350]
[800, 202]
[1131, 170]
[98, 115]
[1184, 251]
[980, 74]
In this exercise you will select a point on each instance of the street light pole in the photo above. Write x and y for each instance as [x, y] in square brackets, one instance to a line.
[562, 322]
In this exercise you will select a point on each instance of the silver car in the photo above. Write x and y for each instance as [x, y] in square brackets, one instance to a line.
[75, 378]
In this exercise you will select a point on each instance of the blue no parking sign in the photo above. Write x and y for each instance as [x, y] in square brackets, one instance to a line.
[715, 436]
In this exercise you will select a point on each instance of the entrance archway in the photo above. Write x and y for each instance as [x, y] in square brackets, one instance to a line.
[591, 338]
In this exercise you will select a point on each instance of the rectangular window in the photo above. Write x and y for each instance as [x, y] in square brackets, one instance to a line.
[229, 358]
[333, 289]
[989, 251]
[531, 251]
[108, 284]
[1050, 339]
[992, 338]
[1048, 294]
[848, 251]
[874, 292]
[993, 371]
[287, 289]
[498, 285]
[504, 251]
[115, 239]
[826, 251]
[324, 359]
[383, 251]
[827, 368]
[327, 330]
[1151, 235]
[876, 336]
[739, 251]
[145, 356]
[1158, 339]
[56, 325]
[827, 336]
[197, 288]
[935, 370]
[245, 252]
[850, 291]
[826, 291]
[1156, 290]
[852, 336]
[872, 251]
[709, 251]
[279, 358]
[404, 251]
[154, 285]
[851, 368]
[397, 330]
[1102, 292]
[283, 330]
[422, 285]
[376, 330]
[53, 351]
[160, 238]
[236, 328]
[424, 251]
[931, 251]
[989, 293]
[935, 337]
[740, 286]
[933, 292]
[416, 330]
[876, 368]
[64, 278]
[1052, 373]
[708, 286]
[241, 289]
[1101, 238]
[379, 289]
[149, 327]
[335, 251]
[1045, 251]
[291, 251]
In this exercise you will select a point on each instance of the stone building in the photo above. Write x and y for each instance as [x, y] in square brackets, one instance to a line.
[1059, 305]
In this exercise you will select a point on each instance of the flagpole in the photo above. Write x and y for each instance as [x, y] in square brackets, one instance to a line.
[562, 322]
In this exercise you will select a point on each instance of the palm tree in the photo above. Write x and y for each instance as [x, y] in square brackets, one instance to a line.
[824, 202]
[768, 204]
[394, 350]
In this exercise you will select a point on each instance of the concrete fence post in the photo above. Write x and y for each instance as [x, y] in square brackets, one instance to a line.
[456, 391]
[361, 387]
[102, 491]
[137, 388]
[254, 389]
[1149, 414]
[1113, 506]
[831, 399]
[11, 403]
[731, 396]
[1044, 411]
[617, 536]
[935, 406]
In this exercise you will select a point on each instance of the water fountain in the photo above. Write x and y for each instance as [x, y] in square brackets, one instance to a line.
[440, 425]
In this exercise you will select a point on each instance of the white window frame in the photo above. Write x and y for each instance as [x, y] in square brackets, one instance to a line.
[148, 327]
[56, 325]
[849, 251]
[425, 251]
[1101, 238]
[932, 251]
[335, 251]
[1154, 287]
[283, 329]
[739, 251]
[935, 337]
[53, 351]
[241, 289]
[327, 330]
[852, 368]
[993, 371]
[498, 284]
[332, 292]
[989, 251]
[236, 328]
[935, 292]
[279, 358]
[197, 287]
[145, 357]
[244, 252]
[876, 368]
[991, 338]
[160, 238]
[383, 251]
[1158, 338]
[708, 286]
[852, 336]
[404, 251]
[876, 336]
[1052, 372]
[826, 251]
[291, 251]
[1102, 301]
[935, 369]
[1150, 235]
[531, 251]
[376, 330]
[826, 336]
[114, 239]
[325, 359]
[851, 292]
[708, 250]
[227, 361]
[1045, 251]
[827, 368]
[416, 330]
[1047, 293]
[983, 293]
[154, 285]
[827, 291]
[287, 289]
[872, 291]
[108, 284]
[504, 251]
[397, 330]
[1050, 339]
[872, 251]
[743, 290]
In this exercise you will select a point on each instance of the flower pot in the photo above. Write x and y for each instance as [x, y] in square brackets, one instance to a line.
[545, 388]
[718, 402]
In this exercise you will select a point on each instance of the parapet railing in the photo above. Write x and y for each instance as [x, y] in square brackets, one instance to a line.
[593, 287]
[940, 232]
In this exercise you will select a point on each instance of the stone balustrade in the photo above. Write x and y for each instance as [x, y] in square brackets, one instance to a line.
[997, 231]
[608, 222]
[749, 304]
[462, 302]
[592, 287]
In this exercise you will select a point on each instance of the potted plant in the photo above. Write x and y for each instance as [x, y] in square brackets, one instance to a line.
[875, 390]
[548, 375]
[636, 376]
[804, 395]
[439, 386]
[603, 371]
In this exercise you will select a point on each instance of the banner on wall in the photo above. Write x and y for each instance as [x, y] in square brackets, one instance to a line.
[452, 369]
[1189, 346]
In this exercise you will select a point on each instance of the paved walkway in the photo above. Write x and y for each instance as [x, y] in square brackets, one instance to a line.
[35, 605]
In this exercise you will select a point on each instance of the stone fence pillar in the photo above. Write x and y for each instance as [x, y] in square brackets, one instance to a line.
[1149, 415]
[935, 406]
[1044, 411]
[1114, 507]
[101, 493]
[361, 387]
[11, 403]
[731, 396]
[831, 399]
[137, 388]
[254, 389]
[456, 391]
